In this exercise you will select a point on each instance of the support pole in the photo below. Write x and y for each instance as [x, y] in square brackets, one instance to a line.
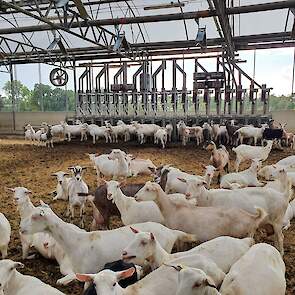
[12, 95]
[293, 75]
[75, 87]
[40, 81]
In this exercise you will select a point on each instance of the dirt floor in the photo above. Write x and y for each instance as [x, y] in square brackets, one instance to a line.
[31, 166]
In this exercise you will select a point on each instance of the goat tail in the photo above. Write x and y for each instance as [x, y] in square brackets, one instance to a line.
[186, 238]
[260, 215]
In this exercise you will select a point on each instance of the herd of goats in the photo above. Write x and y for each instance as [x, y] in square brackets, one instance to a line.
[174, 210]
[228, 133]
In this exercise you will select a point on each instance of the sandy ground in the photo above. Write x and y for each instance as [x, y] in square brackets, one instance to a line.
[31, 166]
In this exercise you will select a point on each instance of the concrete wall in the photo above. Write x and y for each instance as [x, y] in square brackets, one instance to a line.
[34, 118]
[287, 116]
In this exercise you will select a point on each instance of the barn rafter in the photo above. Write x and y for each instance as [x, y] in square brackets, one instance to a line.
[101, 34]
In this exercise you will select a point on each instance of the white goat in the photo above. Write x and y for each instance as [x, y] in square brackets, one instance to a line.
[161, 281]
[281, 182]
[289, 215]
[116, 131]
[219, 132]
[140, 166]
[29, 133]
[224, 251]
[219, 221]
[109, 244]
[261, 269]
[77, 185]
[174, 185]
[129, 130]
[46, 136]
[111, 165]
[5, 231]
[70, 130]
[186, 133]
[250, 132]
[244, 178]
[268, 171]
[97, 132]
[246, 152]
[57, 130]
[273, 202]
[161, 136]
[62, 187]
[194, 281]
[25, 208]
[13, 282]
[219, 158]
[131, 210]
[145, 130]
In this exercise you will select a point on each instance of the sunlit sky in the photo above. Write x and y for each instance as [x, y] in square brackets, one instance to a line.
[273, 67]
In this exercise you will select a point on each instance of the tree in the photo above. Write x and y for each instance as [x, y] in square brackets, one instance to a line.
[22, 95]
[1, 103]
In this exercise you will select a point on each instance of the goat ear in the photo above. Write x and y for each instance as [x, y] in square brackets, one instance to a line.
[71, 167]
[134, 230]
[84, 168]
[84, 277]
[152, 169]
[66, 174]
[126, 273]
[182, 179]
[209, 282]
[10, 189]
[204, 182]
[152, 236]
[43, 204]
[203, 166]
[53, 174]
[17, 265]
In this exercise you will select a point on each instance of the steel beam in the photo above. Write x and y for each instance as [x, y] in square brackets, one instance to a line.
[158, 18]
[264, 41]
[220, 7]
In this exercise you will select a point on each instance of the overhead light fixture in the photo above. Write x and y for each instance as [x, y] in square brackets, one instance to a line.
[61, 3]
[57, 42]
[165, 5]
[80, 6]
[121, 43]
[201, 39]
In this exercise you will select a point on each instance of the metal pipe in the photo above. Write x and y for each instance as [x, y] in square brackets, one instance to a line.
[293, 74]
[149, 18]
[98, 78]
[241, 44]
[21, 59]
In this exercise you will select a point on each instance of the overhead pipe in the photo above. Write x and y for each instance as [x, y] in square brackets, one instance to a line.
[155, 18]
